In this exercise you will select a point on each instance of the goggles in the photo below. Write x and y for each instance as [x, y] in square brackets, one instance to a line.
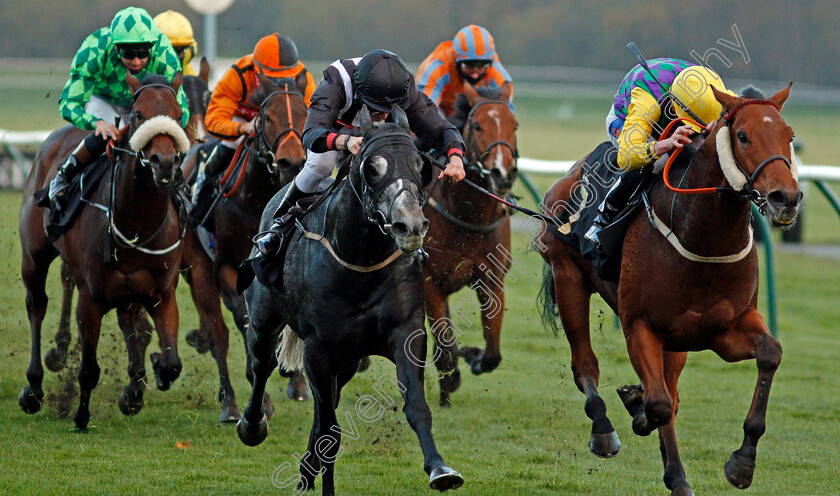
[130, 52]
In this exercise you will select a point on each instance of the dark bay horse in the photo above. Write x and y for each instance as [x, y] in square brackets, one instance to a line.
[688, 287]
[197, 93]
[353, 291]
[469, 237]
[275, 155]
[125, 258]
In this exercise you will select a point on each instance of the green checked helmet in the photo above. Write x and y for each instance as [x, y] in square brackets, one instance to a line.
[133, 25]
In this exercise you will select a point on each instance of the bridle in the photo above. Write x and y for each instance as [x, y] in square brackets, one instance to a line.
[747, 190]
[265, 146]
[475, 159]
[369, 194]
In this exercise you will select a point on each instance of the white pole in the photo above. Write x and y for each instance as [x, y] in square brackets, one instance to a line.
[210, 38]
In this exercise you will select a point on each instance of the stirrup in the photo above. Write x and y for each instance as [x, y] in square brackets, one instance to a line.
[270, 242]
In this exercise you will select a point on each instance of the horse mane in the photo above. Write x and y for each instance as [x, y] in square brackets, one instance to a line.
[463, 106]
[150, 78]
[751, 92]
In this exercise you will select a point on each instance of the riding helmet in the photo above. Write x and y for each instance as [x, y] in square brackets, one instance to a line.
[474, 43]
[276, 56]
[692, 86]
[133, 25]
[176, 27]
[381, 80]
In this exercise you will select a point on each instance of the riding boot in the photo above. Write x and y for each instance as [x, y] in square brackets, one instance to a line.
[75, 163]
[269, 242]
[217, 162]
[616, 200]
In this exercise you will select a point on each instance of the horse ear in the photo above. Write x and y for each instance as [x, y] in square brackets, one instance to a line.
[781, 97]
[204, 70]
[365, 121]
[725, 99]
[177, 81]
[400, 118]
[132, 81]
[471, 94]
[507, 90]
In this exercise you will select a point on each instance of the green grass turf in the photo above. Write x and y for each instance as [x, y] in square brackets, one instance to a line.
[518, 430]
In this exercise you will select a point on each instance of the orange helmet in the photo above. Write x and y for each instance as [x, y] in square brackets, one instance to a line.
[276, 56]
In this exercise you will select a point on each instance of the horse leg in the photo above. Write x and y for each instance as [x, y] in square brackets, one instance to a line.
[236, 305]
[410, 382]
[674, 477]
[89, 321]
[573, 300]
[56, 358]
[446, 346]
[650, 405]
[263, 332]
[325, 437]
[750, 338]
[206, 296]
[492, 313]
[131, 398]
[166, 365]
[34, 274]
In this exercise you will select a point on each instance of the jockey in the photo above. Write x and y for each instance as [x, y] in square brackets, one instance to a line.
[178, 29]
[235, 104]
[640, 112]
[96, 94]
[377, 80]
[470, 57]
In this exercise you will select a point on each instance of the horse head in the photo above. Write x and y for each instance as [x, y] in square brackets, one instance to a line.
[490, 135]
[393, 177]
[278, 128]
[198, 97]
[756, 155]
[156, 137]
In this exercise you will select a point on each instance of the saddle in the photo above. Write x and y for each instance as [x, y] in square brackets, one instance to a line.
[80, 188]
[598, 175]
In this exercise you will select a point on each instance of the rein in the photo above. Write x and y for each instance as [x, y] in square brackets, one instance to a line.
[286, 134]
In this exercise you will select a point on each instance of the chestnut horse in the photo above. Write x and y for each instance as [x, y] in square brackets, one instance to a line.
[469, 237]
[125, 257]
[275, 154]
[689, 287]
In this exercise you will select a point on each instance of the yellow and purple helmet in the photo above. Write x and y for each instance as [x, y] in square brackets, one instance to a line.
[474, 43]
[692, 86]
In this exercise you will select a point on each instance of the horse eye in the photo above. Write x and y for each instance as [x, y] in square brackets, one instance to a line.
[138, 115]
[477, 127]
[742, 137]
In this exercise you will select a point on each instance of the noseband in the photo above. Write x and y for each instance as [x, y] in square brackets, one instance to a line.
[267, 147]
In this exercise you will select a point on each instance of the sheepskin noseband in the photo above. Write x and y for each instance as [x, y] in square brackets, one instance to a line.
[160, 124]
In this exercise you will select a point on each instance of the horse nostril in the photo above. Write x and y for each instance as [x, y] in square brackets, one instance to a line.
[177, 160]
[155, 160]
[399, 229]
[424, 228]
[777, 198]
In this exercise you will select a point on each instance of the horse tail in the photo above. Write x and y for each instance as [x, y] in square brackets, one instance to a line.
[547, 301]
[291, 351]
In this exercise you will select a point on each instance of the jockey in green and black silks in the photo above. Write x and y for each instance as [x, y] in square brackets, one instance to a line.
[97, 95]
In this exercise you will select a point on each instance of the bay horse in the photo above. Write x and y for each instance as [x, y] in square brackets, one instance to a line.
[197, 93]
[353, 291]
[125, 257]
[275, 154]
[689, 287]
[469, 235]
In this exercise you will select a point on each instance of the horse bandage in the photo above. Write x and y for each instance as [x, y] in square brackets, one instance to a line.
[160, 124]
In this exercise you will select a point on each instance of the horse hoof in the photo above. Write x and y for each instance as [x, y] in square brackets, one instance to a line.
[738, 474]
[444, 478]
[230, 413]
[605, 445]
[268, 407]
[198, 340]
[54, 361]
[130, 403]
[250, 435]
[631, 396]
[164, 376]
[296, 390]
[81, 419]
[682, 491]
[30, 401]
